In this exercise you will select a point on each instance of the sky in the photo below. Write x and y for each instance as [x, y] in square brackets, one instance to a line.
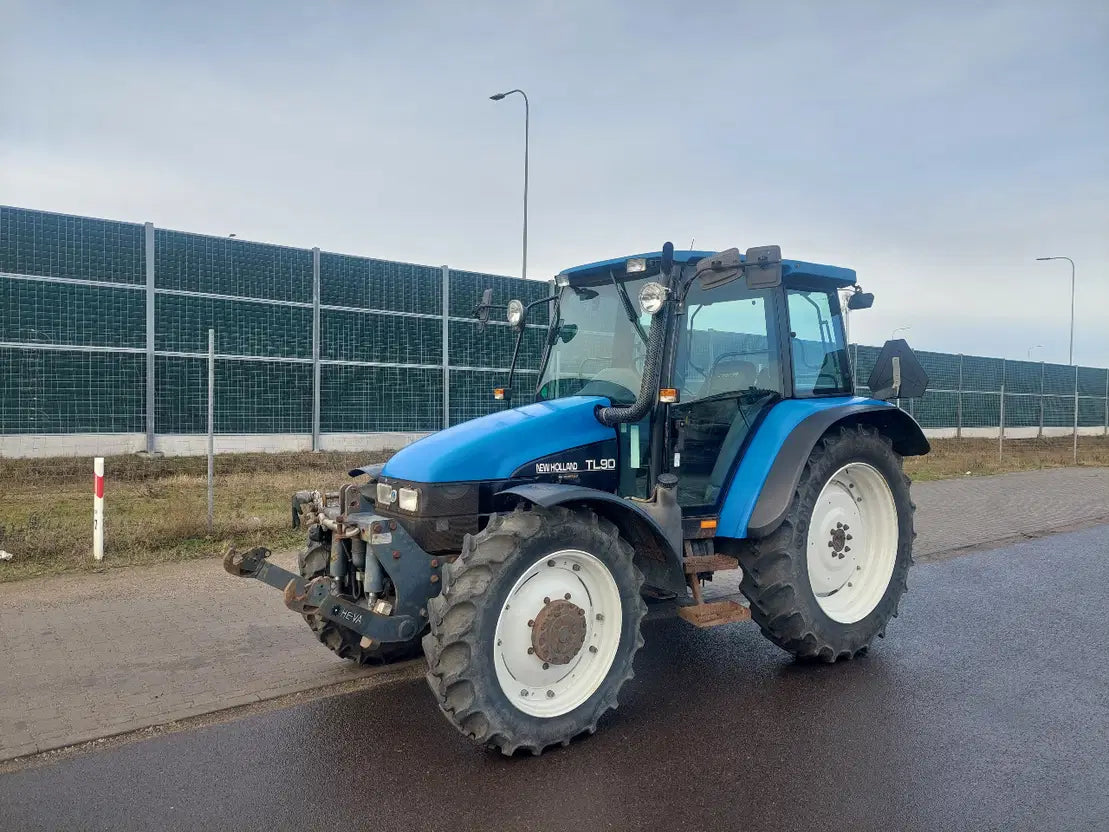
[937, 148]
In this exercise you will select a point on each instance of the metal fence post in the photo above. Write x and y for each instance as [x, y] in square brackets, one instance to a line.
[149, 243]
[316, 349]
[1040, 433]
[446, 346]
[1106, 432]
[211, 425]
[959, 402]
[1075, 414]
[1001, 424]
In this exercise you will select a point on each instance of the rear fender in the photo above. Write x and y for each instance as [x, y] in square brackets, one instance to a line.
[656, 558]
[762, 488]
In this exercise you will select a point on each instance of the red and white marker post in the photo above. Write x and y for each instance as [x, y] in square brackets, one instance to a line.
[98, 508]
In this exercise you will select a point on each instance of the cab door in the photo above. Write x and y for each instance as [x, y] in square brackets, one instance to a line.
[728, 370]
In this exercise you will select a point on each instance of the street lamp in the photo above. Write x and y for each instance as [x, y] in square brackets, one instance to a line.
[899, 329]
[527, 118]
[1071, 361]
[1037, 347]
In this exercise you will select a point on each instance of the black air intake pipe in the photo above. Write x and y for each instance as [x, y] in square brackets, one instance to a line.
[652, 364]
[648, 388]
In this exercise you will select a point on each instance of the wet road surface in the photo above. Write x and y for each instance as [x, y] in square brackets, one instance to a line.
[986, 708]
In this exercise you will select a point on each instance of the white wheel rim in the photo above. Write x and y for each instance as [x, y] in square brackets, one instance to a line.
[581, 579]
[852, 542]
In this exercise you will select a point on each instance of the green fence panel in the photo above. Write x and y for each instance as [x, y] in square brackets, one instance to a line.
[470, 347]
[466, 288]
[365, 283]
[250, 396]
[367, 399]
[181, 324]
[48, 391]
[363, 336]
[59, 245]
[37, 312]
[472, 393]
[224, 266]
[1058, 380]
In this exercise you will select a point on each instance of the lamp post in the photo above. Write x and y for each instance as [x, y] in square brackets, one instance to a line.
[527, 118]
[1071, 359]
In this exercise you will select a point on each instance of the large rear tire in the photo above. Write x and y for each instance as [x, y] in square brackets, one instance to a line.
[536, 629]
[344, 643]
[829, 579]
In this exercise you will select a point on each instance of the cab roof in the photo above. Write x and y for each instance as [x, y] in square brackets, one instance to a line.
[836, 275]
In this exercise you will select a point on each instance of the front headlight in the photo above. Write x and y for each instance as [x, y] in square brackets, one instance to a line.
[409, 499]
[386, 494]
[651, 297]
[515, 312]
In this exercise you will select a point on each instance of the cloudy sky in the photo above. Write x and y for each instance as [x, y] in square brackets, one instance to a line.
[935, 147]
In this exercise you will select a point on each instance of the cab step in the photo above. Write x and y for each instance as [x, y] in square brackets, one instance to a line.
[714, 613]
[695, 564]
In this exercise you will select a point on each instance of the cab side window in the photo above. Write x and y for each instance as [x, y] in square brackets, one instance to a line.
[817, 347]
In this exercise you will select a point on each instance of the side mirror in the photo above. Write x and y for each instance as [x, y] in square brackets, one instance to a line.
[720, 268]
[763, 267]
[667, 264]
[897, 373]
[860, 300]
[481, 312]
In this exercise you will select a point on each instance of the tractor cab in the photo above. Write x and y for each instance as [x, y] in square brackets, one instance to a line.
[691, 414]
[731, 351]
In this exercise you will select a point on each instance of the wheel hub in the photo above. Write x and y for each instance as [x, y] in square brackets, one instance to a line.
[559, 632]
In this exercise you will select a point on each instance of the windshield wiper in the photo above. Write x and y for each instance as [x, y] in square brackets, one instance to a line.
[628, 308]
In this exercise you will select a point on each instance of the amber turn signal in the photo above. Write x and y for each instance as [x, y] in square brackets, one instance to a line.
[498, 393]
[668, 395]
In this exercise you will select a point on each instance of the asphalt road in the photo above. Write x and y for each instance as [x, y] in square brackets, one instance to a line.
[987, 707]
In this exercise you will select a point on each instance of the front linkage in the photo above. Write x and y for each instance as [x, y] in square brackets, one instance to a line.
[360, 541]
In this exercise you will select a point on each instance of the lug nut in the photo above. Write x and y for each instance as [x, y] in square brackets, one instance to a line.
[546, 666]
[577, 567]
[531, 650]
[546, 600]
[592, 648]
[523, 693]
[550, 694]
[531, 623]
[567, 596]
[600, 616]
[550, 563]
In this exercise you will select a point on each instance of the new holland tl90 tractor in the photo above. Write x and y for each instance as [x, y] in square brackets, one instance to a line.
[693, 413]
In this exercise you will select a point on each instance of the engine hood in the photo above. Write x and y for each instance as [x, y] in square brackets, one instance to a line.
[493, 447]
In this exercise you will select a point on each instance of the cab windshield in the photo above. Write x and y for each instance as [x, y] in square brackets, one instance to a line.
[601, 342]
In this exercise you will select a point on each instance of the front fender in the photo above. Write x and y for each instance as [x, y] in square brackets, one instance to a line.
[655, 556]
[762, 488]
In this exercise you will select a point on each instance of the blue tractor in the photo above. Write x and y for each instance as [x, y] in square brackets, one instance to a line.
[693, 413]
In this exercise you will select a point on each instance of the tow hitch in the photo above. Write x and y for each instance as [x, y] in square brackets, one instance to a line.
[415, 575]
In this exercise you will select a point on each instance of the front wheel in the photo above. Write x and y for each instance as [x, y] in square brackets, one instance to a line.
[828, 580]
[536, 628]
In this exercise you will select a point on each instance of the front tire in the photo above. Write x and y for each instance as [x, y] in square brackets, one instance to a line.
[536, 629]
[829, 579]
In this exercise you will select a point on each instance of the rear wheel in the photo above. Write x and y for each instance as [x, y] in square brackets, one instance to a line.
[828, 580]
[536, 629]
